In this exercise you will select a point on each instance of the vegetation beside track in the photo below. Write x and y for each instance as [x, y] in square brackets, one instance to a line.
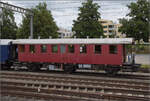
[144, 68]
[139, 48]
[142, 49]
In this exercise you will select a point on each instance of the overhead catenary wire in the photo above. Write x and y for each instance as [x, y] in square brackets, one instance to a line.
[20, 10]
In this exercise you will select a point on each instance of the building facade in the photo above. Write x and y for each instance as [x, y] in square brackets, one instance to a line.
[110, 28]
[116, 28]
[65, 33]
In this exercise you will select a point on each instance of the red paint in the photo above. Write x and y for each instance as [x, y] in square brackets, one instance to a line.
[85, 58]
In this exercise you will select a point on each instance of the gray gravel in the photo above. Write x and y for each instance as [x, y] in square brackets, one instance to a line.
[10, 98]
[142, 58]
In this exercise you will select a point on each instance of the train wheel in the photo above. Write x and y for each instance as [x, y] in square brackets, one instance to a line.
[108, 71]
[4, 67]
[74, 69]
[33, 68]
[69, 69]
[112, 71]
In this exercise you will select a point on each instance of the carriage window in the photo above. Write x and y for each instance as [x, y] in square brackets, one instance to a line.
[22, 48]
[43, 48]
[62, 48]
[32, 49]
[54, 48]
[113, 49]
[82, 48]
[97, 49]
[71, 48]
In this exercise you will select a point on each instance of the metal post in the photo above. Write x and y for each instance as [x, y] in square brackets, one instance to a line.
[31, 27]
[1, 21]
[20, 10]
[50, 37]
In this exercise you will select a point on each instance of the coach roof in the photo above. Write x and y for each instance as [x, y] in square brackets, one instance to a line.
[5, 41]
[75, 41]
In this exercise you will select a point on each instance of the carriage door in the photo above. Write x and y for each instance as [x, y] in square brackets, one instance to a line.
[13, 51]
[63, 55]
[124, 53]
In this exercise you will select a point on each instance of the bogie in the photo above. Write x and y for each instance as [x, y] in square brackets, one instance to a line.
[69, 68]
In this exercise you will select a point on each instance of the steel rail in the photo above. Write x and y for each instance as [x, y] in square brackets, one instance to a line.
[74, 94]
[117, 85]
[77, 87]
[77, 78]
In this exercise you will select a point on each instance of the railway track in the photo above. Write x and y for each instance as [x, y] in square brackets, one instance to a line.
[123, 75]
[89, 75]
[30, 94]
[71, 94]
[72, 80]
[75, 87]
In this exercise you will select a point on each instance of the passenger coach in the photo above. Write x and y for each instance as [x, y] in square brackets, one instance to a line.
[5, 53]
[108, 54]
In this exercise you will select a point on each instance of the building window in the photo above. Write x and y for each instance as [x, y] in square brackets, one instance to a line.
[111, 26]
[82, 48]
[105, 31]
[71, 48]
[103, 22]
[21, 48]
[110, 31]
[62, 48]
[43, 48]
[97, 49]
[54, 48]
[32, 49]
[104, 26]
[113, 49]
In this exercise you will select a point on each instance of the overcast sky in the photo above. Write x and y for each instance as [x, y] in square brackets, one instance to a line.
[65, 11]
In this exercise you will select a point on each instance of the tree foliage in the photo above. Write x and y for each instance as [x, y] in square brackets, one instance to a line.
[87, 23]
[138, 24]
[8, 24]
[43, 23]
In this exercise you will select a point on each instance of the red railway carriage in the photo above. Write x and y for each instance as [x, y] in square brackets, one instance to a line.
[68, 53]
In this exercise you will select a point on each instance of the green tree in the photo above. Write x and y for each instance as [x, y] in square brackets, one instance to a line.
[138, 24]
[8, 25]
[43, 23]
[87, 23]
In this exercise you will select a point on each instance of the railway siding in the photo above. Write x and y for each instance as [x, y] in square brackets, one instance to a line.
[75, 93]
[88, 83]
[77, 87]
[73, 87]
[77, 78]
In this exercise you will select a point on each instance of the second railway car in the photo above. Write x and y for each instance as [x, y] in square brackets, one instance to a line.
[6, 53]
[108, 54]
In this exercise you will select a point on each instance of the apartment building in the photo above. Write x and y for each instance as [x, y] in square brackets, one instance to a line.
[117, 33]
[65, 33]
[110, 28]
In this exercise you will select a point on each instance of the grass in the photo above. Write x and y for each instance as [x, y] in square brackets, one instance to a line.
[145, 66]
